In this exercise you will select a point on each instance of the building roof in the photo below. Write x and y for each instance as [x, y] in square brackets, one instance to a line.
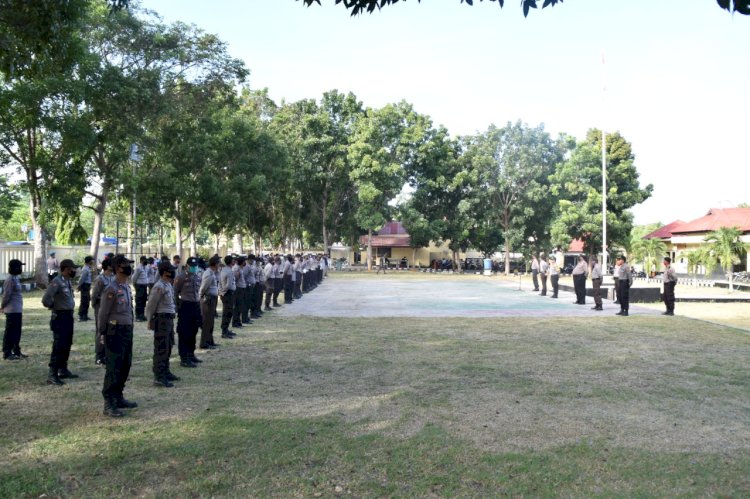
[576, 246]
[392, 235]
[717, 218]
[666, 231]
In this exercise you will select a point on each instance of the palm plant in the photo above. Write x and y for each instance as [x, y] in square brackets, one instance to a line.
[697, 258]
[648, 251]
[726, 245]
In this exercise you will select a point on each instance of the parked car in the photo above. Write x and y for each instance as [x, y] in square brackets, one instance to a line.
[568, 269]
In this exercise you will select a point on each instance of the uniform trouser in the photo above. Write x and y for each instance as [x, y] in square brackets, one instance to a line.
[119, 351]
[269, 292]
[597, 285]
[623, 294]
[12, 336]
[163, 343]
[669, 295]
[141, 295]
[544, 285]
[258, 299]
[535, 279]
[249, 302]
[227, 308]
[239, 306]
[98, 343]
[188, 322]
[83, 308]
[288, 288]
[298, 285]
[208, 312]
[277, 287]
[579, 284]
[62, 338]
[554, 280]
[616, 290]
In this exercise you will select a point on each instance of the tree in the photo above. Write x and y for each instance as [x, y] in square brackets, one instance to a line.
[577, 184]
[726, 245]
[648, 252]
[699, 257]
[512, 164]
[360, 6]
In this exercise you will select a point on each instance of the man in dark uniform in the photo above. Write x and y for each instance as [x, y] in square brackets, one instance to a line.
[209, 293]
[100, 284]
[59, 299]
[116, 328]
[141, 281]
[624, 280]
[187, 290]
[160, 312]
[227, 288]
[12, 307]
[579, 280]
[84, 287]
[670, 281]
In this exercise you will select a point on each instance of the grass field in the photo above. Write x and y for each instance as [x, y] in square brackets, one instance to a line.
[321, 407]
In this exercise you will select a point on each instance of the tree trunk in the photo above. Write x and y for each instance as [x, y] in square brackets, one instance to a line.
[217, 242]
[324, 218]
[40, 249]
[414, 258]
[369, 250]
[237, 244]
[506, 226]
[99, 211]
[193, 243]
[178, 236]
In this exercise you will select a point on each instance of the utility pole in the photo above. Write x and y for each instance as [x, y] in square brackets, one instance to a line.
[604, 170]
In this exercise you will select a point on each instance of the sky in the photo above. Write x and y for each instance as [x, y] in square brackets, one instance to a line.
[674, 81]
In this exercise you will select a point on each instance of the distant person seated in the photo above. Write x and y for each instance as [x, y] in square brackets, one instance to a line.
[404, 263]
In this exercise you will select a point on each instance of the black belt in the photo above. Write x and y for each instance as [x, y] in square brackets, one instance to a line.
[164, 316]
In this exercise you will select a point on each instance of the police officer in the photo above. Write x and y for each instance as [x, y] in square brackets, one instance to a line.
[298, 276]
[53, 267]
[579, 280]
[84, 287]
[535, 272]
[543, 271]
[209, 292]
[269, 281]
[596, 283]
[624, 281]
[160, 311]
[227, 288]
[116, 328]
[670, 281]
[248, 273]
[187, 290]
[100, 284]
[59, 298]
[287, 272]
[554, 276]
[240, 291]
[12, 307]
[141, 280]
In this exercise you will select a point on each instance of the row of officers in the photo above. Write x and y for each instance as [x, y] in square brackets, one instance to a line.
[186, 294]
[623, 280]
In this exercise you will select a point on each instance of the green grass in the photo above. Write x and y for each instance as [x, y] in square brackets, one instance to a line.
[319, 407]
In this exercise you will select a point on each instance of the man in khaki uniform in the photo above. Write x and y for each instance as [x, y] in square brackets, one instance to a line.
[670, 281]
[596, 282]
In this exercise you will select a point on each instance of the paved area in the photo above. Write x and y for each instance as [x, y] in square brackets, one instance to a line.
[483, 297]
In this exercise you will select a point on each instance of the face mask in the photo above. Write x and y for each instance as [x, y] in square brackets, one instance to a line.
[15, 271]
[171, 274]
[193, 269]
[72, 274]
[127, 270]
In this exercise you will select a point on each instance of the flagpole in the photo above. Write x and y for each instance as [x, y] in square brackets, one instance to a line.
[605, 267]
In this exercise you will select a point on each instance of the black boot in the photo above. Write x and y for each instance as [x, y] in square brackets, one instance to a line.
[164, 382]
[111, 410]
[172, 377]
[53, 378]
[64, 373]
[123, 403]
[187, 363]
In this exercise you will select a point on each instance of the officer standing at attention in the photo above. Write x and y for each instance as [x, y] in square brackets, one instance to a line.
[579, 280]
[535, 272]
[141, 280]
[116, 328]
[187, 290]
[543, 271]
[240, 291]
[84, 287]
[160, 311]
[596, 282]
[616, 289]
[100, 284]
[59, 299]
[554, 276]
[209, 292]
[53, 268]
[227, 289]
[286, 273]
[12, 307]
[624, 280]
[670, 281]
